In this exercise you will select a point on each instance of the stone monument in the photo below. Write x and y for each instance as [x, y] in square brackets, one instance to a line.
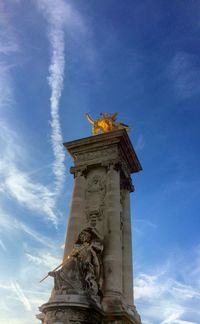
[94, 283]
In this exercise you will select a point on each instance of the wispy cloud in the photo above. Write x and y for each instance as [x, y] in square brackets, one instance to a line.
[5, 87]
[35, 261]
[19, 292]
[145, 222]
[185, 75]
[140, 143]
[26, 192]
[162, 298]
[46, 260]
[2, 245]
[8, 47]
[16, 183]
[10, 225]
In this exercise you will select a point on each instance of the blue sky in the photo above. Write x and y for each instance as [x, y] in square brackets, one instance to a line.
[60, 59]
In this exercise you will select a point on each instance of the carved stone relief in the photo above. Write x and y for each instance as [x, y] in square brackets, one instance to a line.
[82, 158]
[94, 216]
[95, 196]
[95, 192]
[63, 315]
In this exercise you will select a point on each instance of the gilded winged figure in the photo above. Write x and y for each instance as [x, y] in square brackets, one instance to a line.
[106, 123]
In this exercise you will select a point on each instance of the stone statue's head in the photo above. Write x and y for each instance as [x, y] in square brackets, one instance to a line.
[87, 235]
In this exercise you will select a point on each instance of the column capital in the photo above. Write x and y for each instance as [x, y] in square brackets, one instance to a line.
[126, 183]
[111, 164]
[78, 171]
[104, 148]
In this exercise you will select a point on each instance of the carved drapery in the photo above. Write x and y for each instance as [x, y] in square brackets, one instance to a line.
[82, 271]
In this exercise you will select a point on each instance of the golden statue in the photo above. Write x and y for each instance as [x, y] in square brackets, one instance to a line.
[106, 123]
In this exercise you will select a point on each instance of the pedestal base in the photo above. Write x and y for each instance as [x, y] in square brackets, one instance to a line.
[77, 309]
[74, 309]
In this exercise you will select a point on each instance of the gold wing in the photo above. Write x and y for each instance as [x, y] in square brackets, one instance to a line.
[89, 119]
[114, 116]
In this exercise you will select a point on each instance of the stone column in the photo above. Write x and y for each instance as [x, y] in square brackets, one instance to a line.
[103, 165]
[127, 249]
[113, 246]
[77, 210]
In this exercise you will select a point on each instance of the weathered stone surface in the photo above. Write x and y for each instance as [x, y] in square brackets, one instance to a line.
[63, 313]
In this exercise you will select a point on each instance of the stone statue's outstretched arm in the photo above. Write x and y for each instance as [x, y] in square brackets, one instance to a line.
[89, 119]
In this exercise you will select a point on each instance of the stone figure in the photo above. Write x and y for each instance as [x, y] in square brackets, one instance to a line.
[106, 123]
[82, 272]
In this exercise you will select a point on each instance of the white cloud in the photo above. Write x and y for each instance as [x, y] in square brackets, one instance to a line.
[10, 225]
[140, 143]
[173, 320]
[5, 88]
[32, 195]
[2, 245]
[145, 286]
[47, 260]
[162, 299]
[19, 292]
[12, 293]
[33, 264]
[185, 75]
[16, 183]
[8, 47]
[145, 222]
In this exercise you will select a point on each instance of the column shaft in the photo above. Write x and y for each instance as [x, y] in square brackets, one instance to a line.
[113, 247]
[127, 250]
[77, 213]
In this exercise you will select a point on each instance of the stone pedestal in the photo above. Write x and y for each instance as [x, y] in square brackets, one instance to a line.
[98, 246]
[71, 310]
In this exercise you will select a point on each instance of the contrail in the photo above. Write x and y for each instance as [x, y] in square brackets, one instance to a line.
[54, 15]
[58, 14]
[56, 71]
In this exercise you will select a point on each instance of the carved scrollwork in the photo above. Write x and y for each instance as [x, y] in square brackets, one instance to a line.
[78, 171]
[126, 183]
